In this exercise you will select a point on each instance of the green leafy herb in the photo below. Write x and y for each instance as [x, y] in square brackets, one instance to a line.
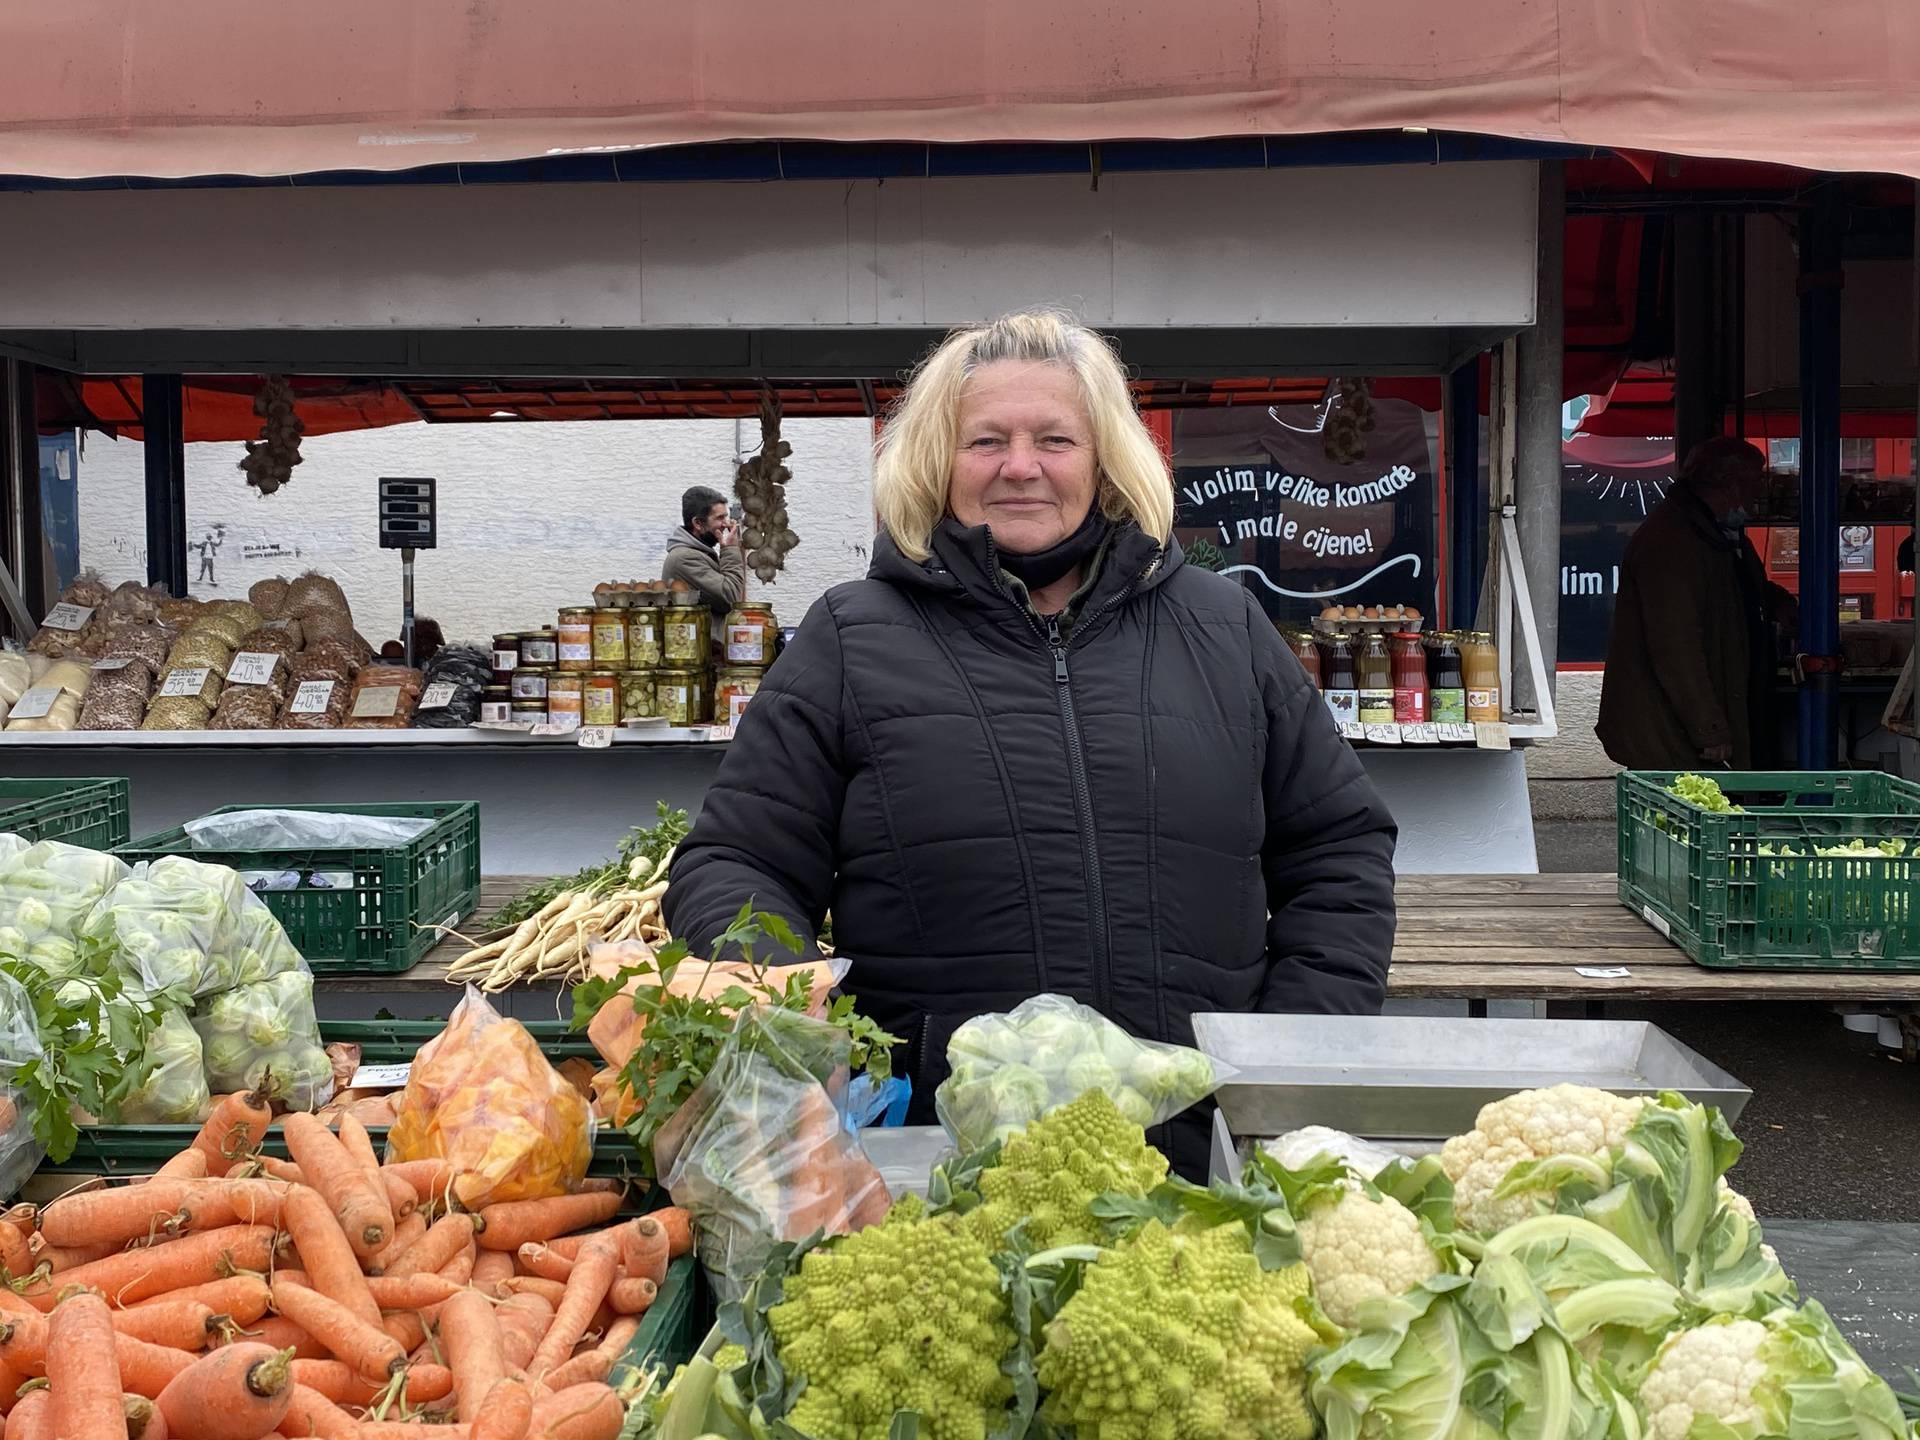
[651, 844]
[683, 1033]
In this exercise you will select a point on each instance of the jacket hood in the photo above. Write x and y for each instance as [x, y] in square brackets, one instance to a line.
[964, 565]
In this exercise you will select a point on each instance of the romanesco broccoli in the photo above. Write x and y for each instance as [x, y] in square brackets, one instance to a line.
[1047, 1177]
[1180, 1336]
[905, 1315]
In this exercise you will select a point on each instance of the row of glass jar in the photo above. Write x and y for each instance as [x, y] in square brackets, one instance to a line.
[681, 694]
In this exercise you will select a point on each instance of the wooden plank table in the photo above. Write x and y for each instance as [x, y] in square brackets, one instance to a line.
[1461, 937]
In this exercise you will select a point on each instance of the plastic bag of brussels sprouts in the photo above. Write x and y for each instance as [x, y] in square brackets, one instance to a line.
[1009, 1070]
[47, 891]
[164, 924]
[251, 946]
[174, 1091]
[264, 1037]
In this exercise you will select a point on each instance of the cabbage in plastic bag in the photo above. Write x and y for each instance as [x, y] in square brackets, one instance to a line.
[174, 1091]
[163, 924]
[1009, 1070]
[264, 1037]
[252, 946]
[47, 891]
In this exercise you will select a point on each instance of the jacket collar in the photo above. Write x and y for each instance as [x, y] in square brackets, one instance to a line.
[1704, 520]
[964, 565]
[681, 538]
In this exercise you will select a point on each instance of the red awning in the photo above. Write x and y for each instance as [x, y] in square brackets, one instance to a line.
[200, 87]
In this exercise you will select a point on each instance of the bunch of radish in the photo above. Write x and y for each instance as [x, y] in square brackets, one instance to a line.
[233, 1296]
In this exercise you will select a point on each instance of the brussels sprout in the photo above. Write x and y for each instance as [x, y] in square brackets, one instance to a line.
[177, 968]
[1053, 1032]
[1019, 1094]
[1155, 1073]
[1132, 1104]
[227, 1056]
[268, 1030]
[33, 916]
[1118, 1047]
[988, 1038]
[13, 941]
[1090, 1072]
[1195, 1079]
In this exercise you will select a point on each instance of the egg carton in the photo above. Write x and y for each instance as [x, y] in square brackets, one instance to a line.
[1364, 619]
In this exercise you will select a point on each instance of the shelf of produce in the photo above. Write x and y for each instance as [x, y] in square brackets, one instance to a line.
[668, 735]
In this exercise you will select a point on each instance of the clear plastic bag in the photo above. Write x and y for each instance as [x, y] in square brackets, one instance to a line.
[1009, 1070]
[265, 829]
[482, 1097]
[47, 891]
[264, 1037]
[20, 1152]
[164, 923]
[251, 945]
[761, 1151]
[16, 676]
[174, 1090]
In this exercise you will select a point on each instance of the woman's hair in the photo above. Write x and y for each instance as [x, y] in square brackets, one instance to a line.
[913, 458]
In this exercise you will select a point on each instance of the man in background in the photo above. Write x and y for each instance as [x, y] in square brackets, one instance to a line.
[705, 551]
[1690, 663]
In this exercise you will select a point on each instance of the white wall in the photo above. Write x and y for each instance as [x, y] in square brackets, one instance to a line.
[531, 515]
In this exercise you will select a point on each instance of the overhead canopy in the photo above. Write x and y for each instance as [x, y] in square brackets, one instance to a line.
[198, 87]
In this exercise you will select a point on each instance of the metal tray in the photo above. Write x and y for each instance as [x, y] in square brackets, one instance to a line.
[1391, 1077]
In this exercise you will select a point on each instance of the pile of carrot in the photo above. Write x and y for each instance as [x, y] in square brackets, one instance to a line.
[233, 1296]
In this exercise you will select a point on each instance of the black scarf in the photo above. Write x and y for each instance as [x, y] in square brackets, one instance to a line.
[1043, 567]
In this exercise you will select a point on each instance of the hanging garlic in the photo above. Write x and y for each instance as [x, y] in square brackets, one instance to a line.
[761, 484]
[270, 459]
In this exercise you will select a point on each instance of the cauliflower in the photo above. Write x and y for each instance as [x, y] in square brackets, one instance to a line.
[904, 1315]
[1789, 1374]
[1360, 1248]
[1180, 1336]
[1575, 1123]
[1048, 1175]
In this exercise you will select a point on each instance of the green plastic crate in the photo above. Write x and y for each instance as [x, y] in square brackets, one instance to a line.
[90, 812]
[1719, 888]
[674, 1325]
[382, 924]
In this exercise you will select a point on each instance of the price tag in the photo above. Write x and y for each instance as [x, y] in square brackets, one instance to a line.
[1382, 734]
[191, 681]
[1420, 734]
[1492, 735]
[720, 732]
[252, 667]
[276, 625]
[1603, 972]
[595, 737]
[36, 703]
[438, 695]
[1352, 730]
[1652, 916]
[376, 702]
[1455, 734]
[381, 1077]
[311, 698]
[548, 729]
[120, 663]
[68, 617]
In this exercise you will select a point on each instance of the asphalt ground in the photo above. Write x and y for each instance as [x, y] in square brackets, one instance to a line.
[1833, 1129]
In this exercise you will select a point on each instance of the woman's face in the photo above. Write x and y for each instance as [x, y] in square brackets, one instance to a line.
[1024, 463]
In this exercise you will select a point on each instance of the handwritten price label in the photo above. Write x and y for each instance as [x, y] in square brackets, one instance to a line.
[69, 617]
[438, 696]
[311, 698]
[252, 667]
[36, 703]
[191, 681]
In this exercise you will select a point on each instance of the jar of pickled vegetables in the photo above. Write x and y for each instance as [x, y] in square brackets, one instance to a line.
[685, 634]
[680, 694]
[636, 694]
[600, 701]
[733, 686]
[576, 638]
[610, 638]
[566, 696]
[752, 635]
[643, 633]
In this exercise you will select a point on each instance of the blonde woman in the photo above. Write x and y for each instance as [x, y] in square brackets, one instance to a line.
[1033, 751]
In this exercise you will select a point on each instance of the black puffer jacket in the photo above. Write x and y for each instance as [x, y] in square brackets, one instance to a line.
[1157, 818]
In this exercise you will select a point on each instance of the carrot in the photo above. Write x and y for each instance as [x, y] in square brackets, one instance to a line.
[282, 1334]
[367, 1348]
[59, 1259]
[31, 1417]
[237, 1393]
[178, 1324]
[619, 1335]
[116, 1215]
[144, 1420]
[15, 1256]
[459, 1269]
[344, 1385]
[632, 1297]
[235, 1202]
[311, 1414]
[507, 1413]
[401, 1198]
[405, 1232]
[148, 1369]
[430, 1179]
[407, 1430]
[582, 1369]
[445, 1238]
[274, 1168]
[679, 1227]
[645, 1249]
[82, 1372]
[362, 1211]
[188, 1164]
[23, 1343]
[475, 1351]
[241, 1298]
[568, 1246]
[540, 1260]
[490, 1267]
[327, 1254]
[586, 1287]
[580, 1412]
[191, 1260]
[233, 1130]
[10, 1382]
[411, 1292]
[523, 1319]
[512, 1223]
[551, 1291]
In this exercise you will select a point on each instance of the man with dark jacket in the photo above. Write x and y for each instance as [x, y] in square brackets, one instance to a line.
[705, 551]
[1690, 662]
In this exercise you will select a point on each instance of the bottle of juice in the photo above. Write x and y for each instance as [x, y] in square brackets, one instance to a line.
[1480, 663]
[1306, 652]
[1338, 685]
[1375, 664]
[1449, 689]
[1409, 679]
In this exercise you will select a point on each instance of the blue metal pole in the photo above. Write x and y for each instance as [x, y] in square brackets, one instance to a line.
[1820, 280]
[1466, 496]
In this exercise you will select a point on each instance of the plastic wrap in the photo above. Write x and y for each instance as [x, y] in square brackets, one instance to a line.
[316, 705]
[138, 603]
[229, 629]
[246, 707]
[234, 612]
[264, 1037]
[327, 625]
[20, 1152]
[47, 891]
[268, 640]
[88, 593]
[165, 923]
[302, 830]
[1009, 1070]
[200, 646]
[269, 597]
[252, 945]
[325, 660]
[384, 697]
[483, 1097]
[458, 676]
[761, 1152]
[177, 712]
[314, 594]
[72, 676]
[178, 612]
[261, 669]
[64, 715]
[117, 699]
[149, 644]
[174, 1090]
[16, 676]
